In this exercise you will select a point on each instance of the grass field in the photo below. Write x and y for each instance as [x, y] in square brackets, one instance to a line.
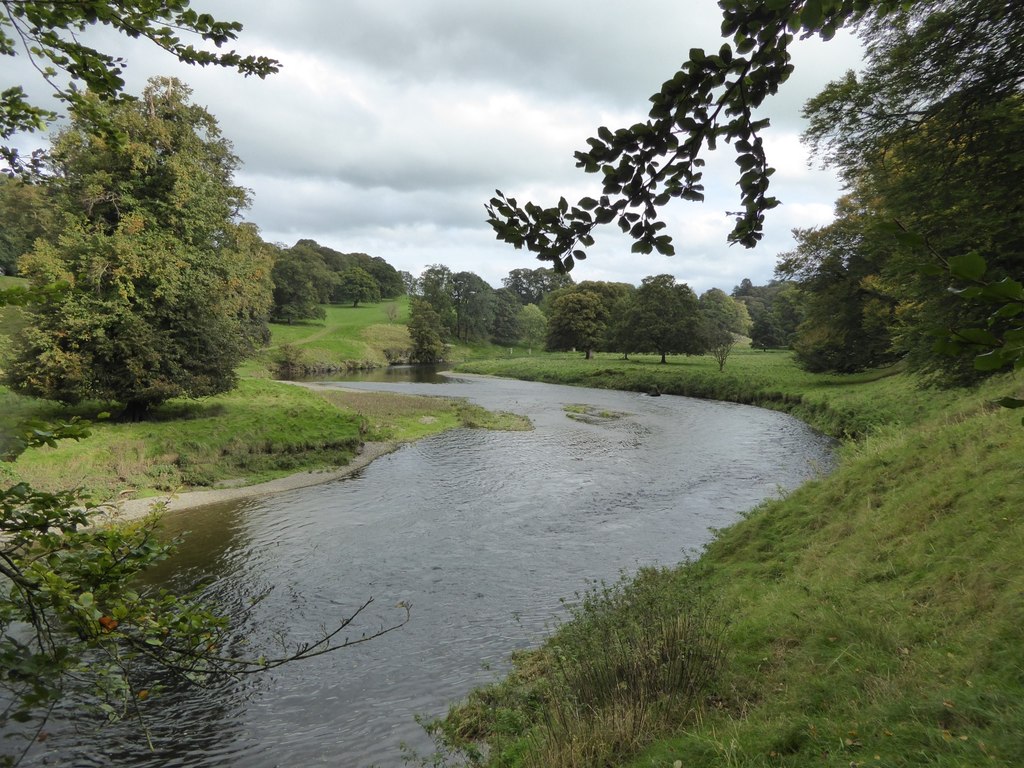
[260, 431]
[349, 337]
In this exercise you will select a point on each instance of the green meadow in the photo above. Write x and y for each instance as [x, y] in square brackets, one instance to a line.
[349, 337]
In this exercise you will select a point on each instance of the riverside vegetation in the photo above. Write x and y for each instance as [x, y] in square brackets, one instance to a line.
[262, 430]
[870, 618]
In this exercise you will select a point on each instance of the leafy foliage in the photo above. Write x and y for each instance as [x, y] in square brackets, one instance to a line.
[849, 311]
[299, 283]
[506, 328]
[473, 300]
[929, 137]
[532, 285]
[49, 34]
[663, 318]
[426, 332]
[75, 624]
[999, 343]
[534, 325]
[165, 293]
[26, 215]
[356, 284]
[711, 99]
[578, 320]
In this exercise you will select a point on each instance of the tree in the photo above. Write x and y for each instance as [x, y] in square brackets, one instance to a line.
[435, 287]
[426, 332]
[929, 134]
[848, 312]
[165, 293]
[317, 267]
[389, 281]
[719, 344]
[720, 310]
[941, 94]
[534, 325]
[49, 34]
[473, 303]
[722, 319]
[356, 284]
[614, 297]
[297, 275]
[664, 318]
[27, 215]
[578, 320]
[775, 311]
[532, 285]
[506, 328]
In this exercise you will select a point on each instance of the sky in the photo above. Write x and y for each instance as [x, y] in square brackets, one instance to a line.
[391, 124]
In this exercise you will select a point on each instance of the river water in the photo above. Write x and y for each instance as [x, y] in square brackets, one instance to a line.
[484, 533]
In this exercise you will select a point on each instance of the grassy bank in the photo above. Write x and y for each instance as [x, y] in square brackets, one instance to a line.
[366, 336]
[260, 431]
[842, 406]
[871, 618]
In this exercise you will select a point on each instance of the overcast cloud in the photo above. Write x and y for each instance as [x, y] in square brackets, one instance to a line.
[391, 124]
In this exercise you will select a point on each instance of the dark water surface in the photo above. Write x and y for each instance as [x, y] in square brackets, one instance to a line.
[482, 532]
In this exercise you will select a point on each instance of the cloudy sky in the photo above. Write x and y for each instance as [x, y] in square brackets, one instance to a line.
[392, 123]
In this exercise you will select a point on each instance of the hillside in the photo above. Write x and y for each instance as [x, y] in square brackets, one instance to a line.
[872, 617]
[367, 336]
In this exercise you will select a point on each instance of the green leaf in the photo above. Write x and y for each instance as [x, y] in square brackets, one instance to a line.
[968, 266]
[990, 361]
[811, 15]
[1004, 289]
[978, 336]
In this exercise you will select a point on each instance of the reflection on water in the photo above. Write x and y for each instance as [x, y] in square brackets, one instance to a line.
[414, 374]
[483, 532]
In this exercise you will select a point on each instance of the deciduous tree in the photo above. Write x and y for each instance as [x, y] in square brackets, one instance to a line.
[426, 332]
[472, 298]
[166, 293]
[355, 284]
[578, 320]
[506, 329]
[534, 325]
[298, 277]
[664, 318]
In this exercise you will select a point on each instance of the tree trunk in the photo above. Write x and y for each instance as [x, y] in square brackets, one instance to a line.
[663, 360]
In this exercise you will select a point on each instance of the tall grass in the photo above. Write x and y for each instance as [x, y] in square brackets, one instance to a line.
[626, 665]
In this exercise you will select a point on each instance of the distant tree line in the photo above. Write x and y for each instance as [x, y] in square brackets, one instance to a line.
[544, 309]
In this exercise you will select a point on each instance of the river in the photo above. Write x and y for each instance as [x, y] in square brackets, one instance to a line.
[483, 533]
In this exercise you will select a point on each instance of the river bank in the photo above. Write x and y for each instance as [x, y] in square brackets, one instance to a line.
[870, 617]
[126, 510]
[262, 432]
